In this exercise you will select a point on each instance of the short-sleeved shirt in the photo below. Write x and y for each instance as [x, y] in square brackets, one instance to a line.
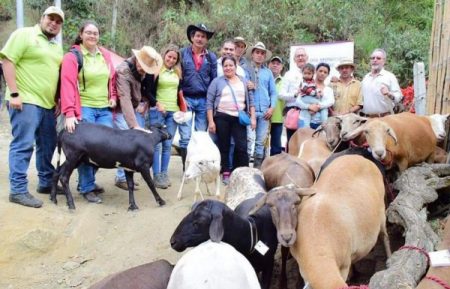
[94, 87]
[37, 61]
[277, 115]
[167, 89]
[347, 95]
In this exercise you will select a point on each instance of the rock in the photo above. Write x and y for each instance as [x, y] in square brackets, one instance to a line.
[70, 265]
[39, 240]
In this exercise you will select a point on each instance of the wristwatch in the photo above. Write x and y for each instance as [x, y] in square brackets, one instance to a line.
[14, 94]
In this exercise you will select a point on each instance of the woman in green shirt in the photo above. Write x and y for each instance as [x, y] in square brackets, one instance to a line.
[167, 86]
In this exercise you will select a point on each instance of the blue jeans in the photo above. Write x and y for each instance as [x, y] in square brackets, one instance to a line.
[86, 173]
[306, 116]
[276, 147]
[120, 123]
[261, 132]
[32, 124]
[198, 107]
[161, 160]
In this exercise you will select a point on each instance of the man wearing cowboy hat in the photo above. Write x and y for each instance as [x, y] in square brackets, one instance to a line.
[380, 87]
[265, 97]
[134, 83]
[347, 90]
[241, 47]
[199, 68]
[31, 60]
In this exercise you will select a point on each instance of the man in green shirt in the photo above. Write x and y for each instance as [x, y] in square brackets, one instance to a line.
[276, 126]
[31, 58]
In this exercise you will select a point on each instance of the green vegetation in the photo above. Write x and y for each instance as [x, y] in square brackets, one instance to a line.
[403, 28]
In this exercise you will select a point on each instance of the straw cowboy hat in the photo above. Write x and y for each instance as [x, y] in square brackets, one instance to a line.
[150, 60]
[199, 27]
[239, 39]
[260, 46]
[346, 62]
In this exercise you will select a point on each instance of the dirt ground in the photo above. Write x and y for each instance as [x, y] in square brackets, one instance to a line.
[53, 248]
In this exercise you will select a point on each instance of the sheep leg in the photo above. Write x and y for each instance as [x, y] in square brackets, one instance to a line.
[55, 180]
[181, 187]
[65, 173]
[130, 184]
[266, 276]
[218, 185]
[197, 190]
[145, 172]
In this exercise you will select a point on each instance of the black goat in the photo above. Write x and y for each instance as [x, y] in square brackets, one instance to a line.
[106, 147]
[216, 221]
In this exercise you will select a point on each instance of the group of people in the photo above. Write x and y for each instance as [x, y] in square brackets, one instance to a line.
[240, 98]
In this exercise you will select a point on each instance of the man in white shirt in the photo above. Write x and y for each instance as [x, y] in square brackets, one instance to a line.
[291, 83]
[228, 48]
[379, 87]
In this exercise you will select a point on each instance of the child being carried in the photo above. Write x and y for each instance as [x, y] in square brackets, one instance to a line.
[310, 94]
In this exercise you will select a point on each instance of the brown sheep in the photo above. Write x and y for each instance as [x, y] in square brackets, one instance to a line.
[298, 138]
[283, 169]
[154, 275]
[403, 139]
[337, 225]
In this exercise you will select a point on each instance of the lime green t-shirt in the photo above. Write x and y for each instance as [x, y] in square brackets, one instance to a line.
[94, 88]
[277, 115]
[167, 89]
[37, 61]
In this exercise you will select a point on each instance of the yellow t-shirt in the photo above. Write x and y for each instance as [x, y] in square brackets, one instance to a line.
[37, 61]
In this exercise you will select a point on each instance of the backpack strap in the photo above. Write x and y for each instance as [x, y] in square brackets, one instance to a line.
[79, 57]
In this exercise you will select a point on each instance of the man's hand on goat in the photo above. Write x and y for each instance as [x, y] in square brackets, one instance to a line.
[142, 129]
[112, 103]
[70, 123]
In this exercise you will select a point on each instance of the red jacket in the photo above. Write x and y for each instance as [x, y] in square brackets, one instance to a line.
[70, 95]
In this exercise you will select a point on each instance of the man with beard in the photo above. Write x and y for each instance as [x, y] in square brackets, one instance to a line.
[379, 87]
[31, 59]
[199, 68]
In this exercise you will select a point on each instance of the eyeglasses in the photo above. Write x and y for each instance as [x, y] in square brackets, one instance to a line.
[376, 57]
[91, 33]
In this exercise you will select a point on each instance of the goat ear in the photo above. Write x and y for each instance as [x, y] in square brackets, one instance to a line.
[216, 230]
[259, 204]
[317, 131]
[391, 133]
[303, 192]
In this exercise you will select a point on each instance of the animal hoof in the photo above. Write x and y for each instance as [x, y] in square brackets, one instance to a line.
[72, 207]
[133, 208]
[161, 202]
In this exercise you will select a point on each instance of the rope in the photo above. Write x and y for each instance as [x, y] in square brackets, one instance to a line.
[388, 163]
[357, 287]
[438, 281]
[253, 237]
[411, 247]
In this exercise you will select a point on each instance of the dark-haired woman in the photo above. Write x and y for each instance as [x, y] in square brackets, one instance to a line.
[88, 94]
[324, 92]
[166, 89]
[227, 95]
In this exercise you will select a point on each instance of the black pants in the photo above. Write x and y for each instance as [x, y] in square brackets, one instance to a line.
[227, 126]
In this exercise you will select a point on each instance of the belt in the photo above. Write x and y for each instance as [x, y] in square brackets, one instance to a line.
[372, 115]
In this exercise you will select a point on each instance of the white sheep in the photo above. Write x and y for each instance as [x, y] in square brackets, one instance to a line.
[213, 265]
[203, 163]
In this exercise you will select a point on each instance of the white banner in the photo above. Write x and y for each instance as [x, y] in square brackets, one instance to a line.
[330, 52]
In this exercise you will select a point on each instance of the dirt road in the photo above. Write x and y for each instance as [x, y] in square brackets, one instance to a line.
[53, 248]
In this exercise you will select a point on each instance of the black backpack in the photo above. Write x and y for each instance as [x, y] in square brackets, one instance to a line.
[79, 58]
